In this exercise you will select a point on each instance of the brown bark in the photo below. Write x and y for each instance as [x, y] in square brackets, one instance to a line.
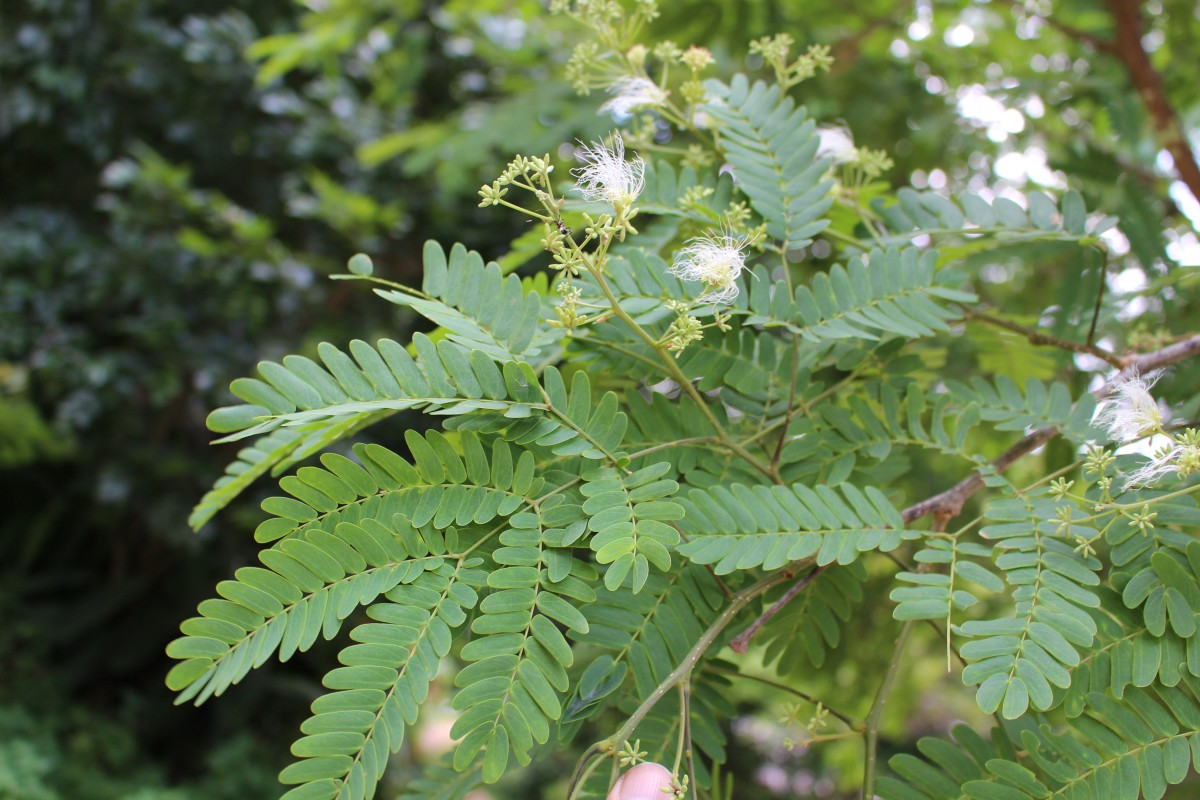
[1127, 47]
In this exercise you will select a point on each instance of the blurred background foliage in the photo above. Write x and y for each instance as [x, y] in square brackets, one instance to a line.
[178, 177]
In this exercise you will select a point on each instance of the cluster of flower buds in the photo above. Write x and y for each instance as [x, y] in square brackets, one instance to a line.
[528, 172]
[776, 51]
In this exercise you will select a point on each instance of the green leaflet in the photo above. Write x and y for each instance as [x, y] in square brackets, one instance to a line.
[477, 306]
[1123, 751]
[1016, 661]
[893, 292]
[932, 595]
[743, 527]
[629, 517]
[356, 727]
[511, 690]
[772, 146]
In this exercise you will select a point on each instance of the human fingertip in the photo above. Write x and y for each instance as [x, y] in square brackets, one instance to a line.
[646, 781]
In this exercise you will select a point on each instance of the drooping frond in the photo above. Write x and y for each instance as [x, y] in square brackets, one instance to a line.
[692, 449]
[864, 431]
[1039, 406]
[648, 632]
[1017, 660]
[377, 692]
[346, 535]
[325, 404]
[512, 689]
[800, 637]
[928, 213]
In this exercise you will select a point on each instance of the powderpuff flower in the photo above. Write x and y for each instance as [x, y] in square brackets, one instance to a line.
[837, 144]
[633, 93]
[607, 176]
[1130, 412]
[1180, 456]
[716, 260]
[1162, 462]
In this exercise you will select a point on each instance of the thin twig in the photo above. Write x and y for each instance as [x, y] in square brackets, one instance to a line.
[1046, 340]
[1070, 31]
[742, 640]
[849, 722]
[1091, 337]
[791, 407]
[685, 698]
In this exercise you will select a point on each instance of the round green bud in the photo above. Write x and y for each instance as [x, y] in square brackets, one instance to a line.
[361, 264]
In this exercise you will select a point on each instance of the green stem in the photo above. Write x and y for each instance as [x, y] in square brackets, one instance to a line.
[876, 713]
[682, 746]
[685, 668]
[683, 381]
[850, 723]
[584, 770]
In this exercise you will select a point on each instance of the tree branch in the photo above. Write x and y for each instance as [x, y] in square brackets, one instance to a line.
[1046, 340]
[1127, 47]
[1071, 32]
[875, 716]
[740, 642]
[950, 502]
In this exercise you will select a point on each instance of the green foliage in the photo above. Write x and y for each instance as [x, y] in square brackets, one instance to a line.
[890, 292]
[743, 527]
[704, 422]
[555, 528]
[1136, 747]
[772, 146]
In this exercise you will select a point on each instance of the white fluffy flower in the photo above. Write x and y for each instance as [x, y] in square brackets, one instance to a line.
[1162, 462]
[837, 144]
[1179, 456]
[715, 260]
[607, 176]
[633, 93]
[1130, 412]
